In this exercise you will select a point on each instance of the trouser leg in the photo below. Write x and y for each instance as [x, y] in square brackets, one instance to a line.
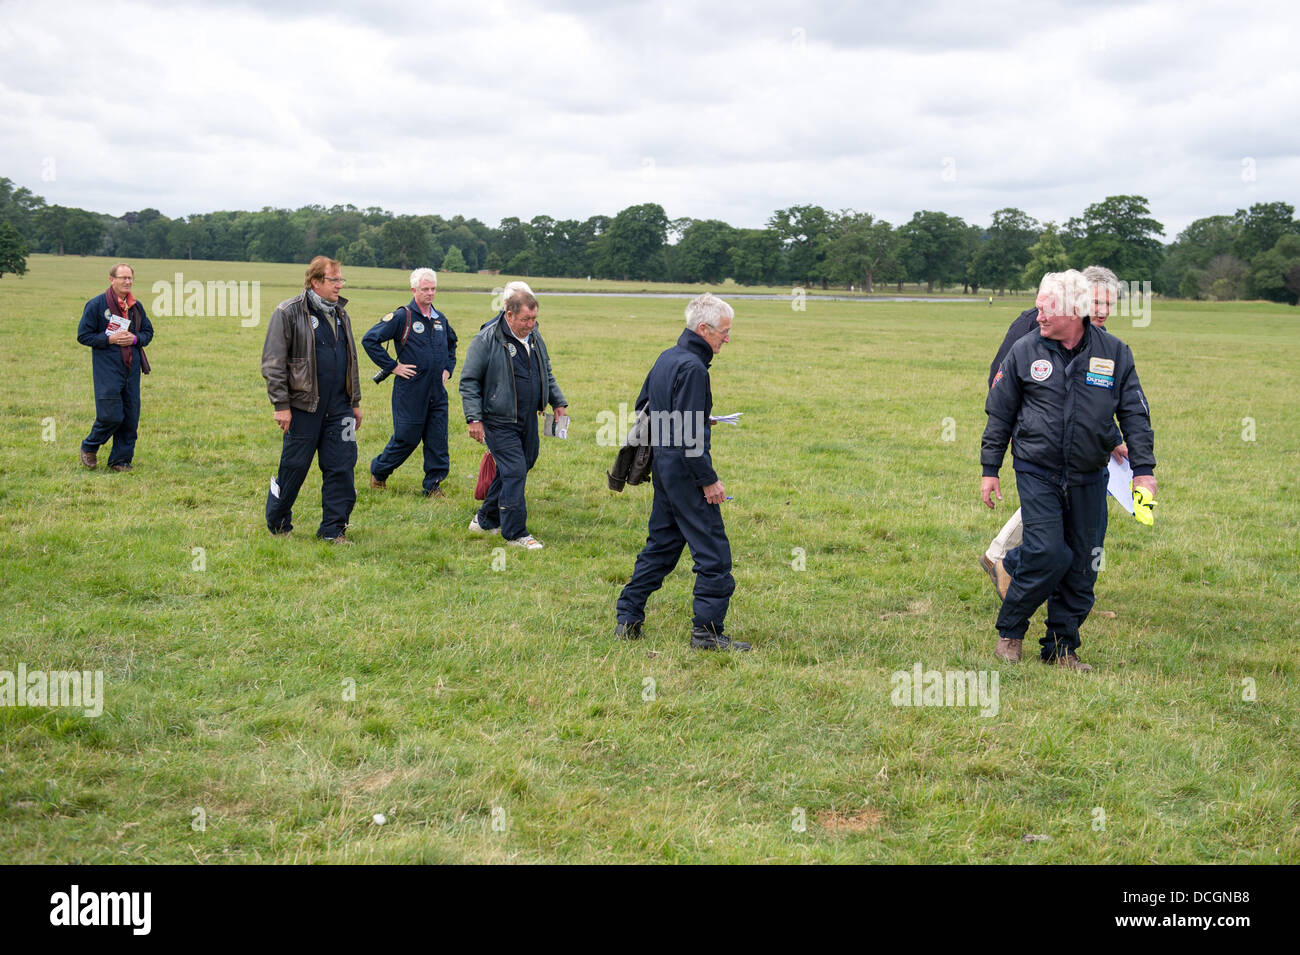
[701, 524]
[505, 498]
[338, 462]
[1007, 538]
[437, 460]
[124, 438]
[663, 548]
[110, 412]
[296, 451]
[1071, 601]
[406, 435]
[1044, 556]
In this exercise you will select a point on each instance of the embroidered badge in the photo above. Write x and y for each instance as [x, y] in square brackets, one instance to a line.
[1102, 366]
[997, 377]
[315, 322]
[417, 327]
[1041, 370]
[1101, 381]
[510, 346]
[387, 317]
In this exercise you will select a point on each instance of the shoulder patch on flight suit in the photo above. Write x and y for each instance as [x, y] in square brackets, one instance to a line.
[387, 317]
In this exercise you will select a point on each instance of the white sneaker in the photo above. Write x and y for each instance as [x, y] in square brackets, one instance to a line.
[528, 541]
[474, 527]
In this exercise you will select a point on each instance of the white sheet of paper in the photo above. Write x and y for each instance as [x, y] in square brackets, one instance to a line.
[1119, 482]
[726, 418]
[553, 427]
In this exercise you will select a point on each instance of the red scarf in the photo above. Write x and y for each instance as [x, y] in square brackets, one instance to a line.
[122, 309]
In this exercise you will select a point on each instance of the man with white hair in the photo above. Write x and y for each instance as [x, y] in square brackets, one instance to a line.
[1001, 558]
[426, 357]
[688, 493]
[1058, 393]
[506, 382]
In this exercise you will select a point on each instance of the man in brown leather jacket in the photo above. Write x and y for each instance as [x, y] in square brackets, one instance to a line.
[309, 362]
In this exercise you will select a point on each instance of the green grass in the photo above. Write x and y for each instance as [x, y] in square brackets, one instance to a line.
[478, 690]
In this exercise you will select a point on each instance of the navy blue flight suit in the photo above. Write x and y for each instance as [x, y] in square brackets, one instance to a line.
[419, 403]
[681, 467]
[514, 447]
[1061, 408]
[117, 379]
[328, 430]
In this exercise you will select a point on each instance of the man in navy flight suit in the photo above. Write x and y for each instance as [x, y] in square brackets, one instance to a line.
[118, 359]
[687, 491]
[426, 357]
[1058, 393]
[1002, 556]
[309, 362]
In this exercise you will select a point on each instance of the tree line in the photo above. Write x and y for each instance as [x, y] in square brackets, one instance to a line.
[1253, 253]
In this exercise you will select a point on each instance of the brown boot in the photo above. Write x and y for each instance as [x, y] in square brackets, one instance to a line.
[998, 574]
[90, 459]
[1068, 661]
[377, 484]
[1008, 649]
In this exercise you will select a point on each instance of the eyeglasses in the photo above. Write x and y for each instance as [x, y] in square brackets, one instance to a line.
[336, 281]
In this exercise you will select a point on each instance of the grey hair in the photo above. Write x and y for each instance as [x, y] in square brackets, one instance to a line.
[511, 290]
[1065, 293]
[419, 274]
[1100, 275]
[707, 309]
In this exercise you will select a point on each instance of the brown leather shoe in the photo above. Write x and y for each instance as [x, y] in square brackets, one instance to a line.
[1008, 649]
[998, 574]
[435, 491]
[377, 484]
[1068, 661]
[90, 459]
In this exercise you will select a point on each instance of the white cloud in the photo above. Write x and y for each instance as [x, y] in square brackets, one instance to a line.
[721, 111]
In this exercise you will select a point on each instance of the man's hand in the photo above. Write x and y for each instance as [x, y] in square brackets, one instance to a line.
[561, 411]
[282, 418]
[1120, 453]
[714, 493]
[476, 431]
[356, 419]
[1147, 481]
[446, 376]
[121, 337]
[405, 371]
[989, 487]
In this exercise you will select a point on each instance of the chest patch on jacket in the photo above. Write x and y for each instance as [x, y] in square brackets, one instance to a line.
[417, 327]
[1040, 370]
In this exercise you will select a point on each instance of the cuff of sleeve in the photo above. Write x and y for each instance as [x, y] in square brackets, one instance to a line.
[282, 407]
[1144, 472]
[989, 470]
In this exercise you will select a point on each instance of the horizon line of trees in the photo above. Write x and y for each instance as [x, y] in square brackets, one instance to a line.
[1253, 253]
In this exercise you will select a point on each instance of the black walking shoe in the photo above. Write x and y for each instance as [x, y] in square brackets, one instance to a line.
[702, 638]
[628, 631]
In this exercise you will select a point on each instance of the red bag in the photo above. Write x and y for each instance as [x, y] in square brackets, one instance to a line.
[487, 471]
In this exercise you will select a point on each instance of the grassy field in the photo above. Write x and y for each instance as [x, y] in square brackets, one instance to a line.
[264, 698]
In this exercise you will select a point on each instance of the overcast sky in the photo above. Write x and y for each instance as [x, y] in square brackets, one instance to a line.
[713, 110]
